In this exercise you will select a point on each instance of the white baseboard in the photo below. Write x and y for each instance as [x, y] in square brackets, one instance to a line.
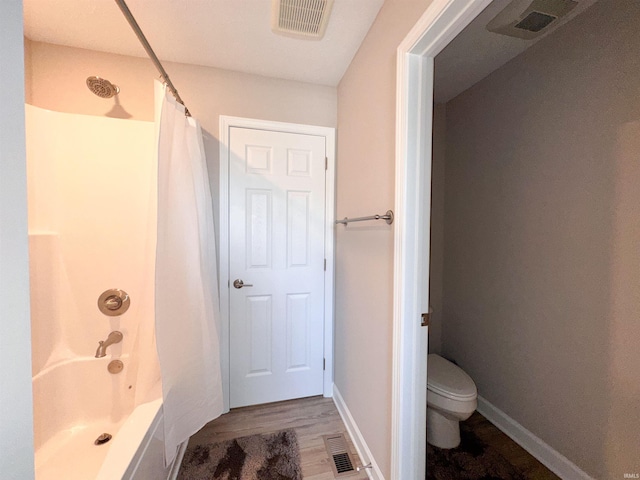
[553, 460]
[356, 436]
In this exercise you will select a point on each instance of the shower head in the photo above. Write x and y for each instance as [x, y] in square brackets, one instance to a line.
[102, 87]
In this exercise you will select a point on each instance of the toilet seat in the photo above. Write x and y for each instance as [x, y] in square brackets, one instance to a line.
[448, 380]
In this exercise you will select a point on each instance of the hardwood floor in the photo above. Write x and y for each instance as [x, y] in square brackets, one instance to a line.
[517, 456]
[311, 418]
[314, 417]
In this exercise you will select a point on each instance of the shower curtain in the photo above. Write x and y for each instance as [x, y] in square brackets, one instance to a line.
[187, 302]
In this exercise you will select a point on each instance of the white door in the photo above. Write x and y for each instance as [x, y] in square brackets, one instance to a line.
[276, 265]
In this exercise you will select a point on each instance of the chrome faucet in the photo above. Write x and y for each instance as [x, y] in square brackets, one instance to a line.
[114, 337]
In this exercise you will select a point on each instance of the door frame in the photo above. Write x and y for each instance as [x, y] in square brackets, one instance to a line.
[226, 122]
[442, 21]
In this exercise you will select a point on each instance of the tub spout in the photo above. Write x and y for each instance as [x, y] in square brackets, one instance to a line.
[114, 337]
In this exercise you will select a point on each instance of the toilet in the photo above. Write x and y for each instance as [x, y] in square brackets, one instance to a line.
[451, 398]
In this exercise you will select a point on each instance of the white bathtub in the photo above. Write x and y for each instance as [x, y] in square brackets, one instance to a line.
[77, 400]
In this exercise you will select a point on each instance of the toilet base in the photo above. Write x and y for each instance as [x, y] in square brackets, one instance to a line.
[442, 432]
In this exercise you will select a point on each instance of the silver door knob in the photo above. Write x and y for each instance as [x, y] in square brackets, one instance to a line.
[239, 284]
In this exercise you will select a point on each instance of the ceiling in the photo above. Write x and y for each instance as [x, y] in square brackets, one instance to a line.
[236, 35]
[476, 52]
[228, 34]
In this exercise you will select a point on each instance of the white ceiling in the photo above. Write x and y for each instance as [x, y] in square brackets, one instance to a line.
[228, 34]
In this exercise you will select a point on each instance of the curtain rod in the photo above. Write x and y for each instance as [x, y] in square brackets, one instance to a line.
[143, 40]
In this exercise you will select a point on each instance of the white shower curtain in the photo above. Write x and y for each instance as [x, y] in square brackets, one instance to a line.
[187, 304]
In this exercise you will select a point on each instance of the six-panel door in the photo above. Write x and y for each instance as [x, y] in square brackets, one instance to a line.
[276, 237]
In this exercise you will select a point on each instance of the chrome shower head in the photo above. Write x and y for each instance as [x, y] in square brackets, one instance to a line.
[102, 87]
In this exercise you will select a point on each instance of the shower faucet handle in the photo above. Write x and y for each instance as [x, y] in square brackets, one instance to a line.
[113, 302]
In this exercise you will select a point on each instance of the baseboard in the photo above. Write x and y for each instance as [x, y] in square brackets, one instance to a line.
[550, 458]
[356, 436]
[177, 462]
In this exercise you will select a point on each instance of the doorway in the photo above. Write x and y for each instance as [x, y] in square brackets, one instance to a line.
[440, 23]
[276, 241]
[424, 87]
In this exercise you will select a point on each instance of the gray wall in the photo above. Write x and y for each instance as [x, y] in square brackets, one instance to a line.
[436, 261]
[16, 424]
[542, 238]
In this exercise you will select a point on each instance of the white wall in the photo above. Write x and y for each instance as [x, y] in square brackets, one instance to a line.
[364, 251]
[16, 433]
[542, 238]
[58, 74]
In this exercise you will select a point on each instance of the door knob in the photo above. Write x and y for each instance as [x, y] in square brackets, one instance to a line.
[239, 284]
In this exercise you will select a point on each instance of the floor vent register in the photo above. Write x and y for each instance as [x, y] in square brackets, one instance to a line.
[342, 464]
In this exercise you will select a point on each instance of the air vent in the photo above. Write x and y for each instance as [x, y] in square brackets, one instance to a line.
[305, 19]
[342, 464]
[528, 19]
[535, 21]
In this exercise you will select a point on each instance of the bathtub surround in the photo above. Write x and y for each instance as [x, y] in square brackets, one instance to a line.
[542, 239]
[186, 287]
[91, 227]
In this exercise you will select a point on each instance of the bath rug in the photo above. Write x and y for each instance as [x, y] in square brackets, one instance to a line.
[472, 460]
[256, 457]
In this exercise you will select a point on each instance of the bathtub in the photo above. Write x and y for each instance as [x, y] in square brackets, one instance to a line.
[77, 400]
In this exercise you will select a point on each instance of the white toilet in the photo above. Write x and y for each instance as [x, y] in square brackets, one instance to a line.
[451, 398]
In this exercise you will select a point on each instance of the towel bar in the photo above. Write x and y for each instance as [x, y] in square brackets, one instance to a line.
[388, 217]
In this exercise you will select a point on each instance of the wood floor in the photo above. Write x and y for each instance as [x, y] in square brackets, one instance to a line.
[517, 456]
[314, 417]
[311, 418]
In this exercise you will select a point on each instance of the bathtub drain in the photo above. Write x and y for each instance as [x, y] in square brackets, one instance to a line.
[104, 438]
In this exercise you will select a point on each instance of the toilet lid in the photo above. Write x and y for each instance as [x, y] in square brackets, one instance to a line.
[449, 380]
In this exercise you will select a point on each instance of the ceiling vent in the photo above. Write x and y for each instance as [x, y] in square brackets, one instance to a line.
[528, 19]
[306, 19]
